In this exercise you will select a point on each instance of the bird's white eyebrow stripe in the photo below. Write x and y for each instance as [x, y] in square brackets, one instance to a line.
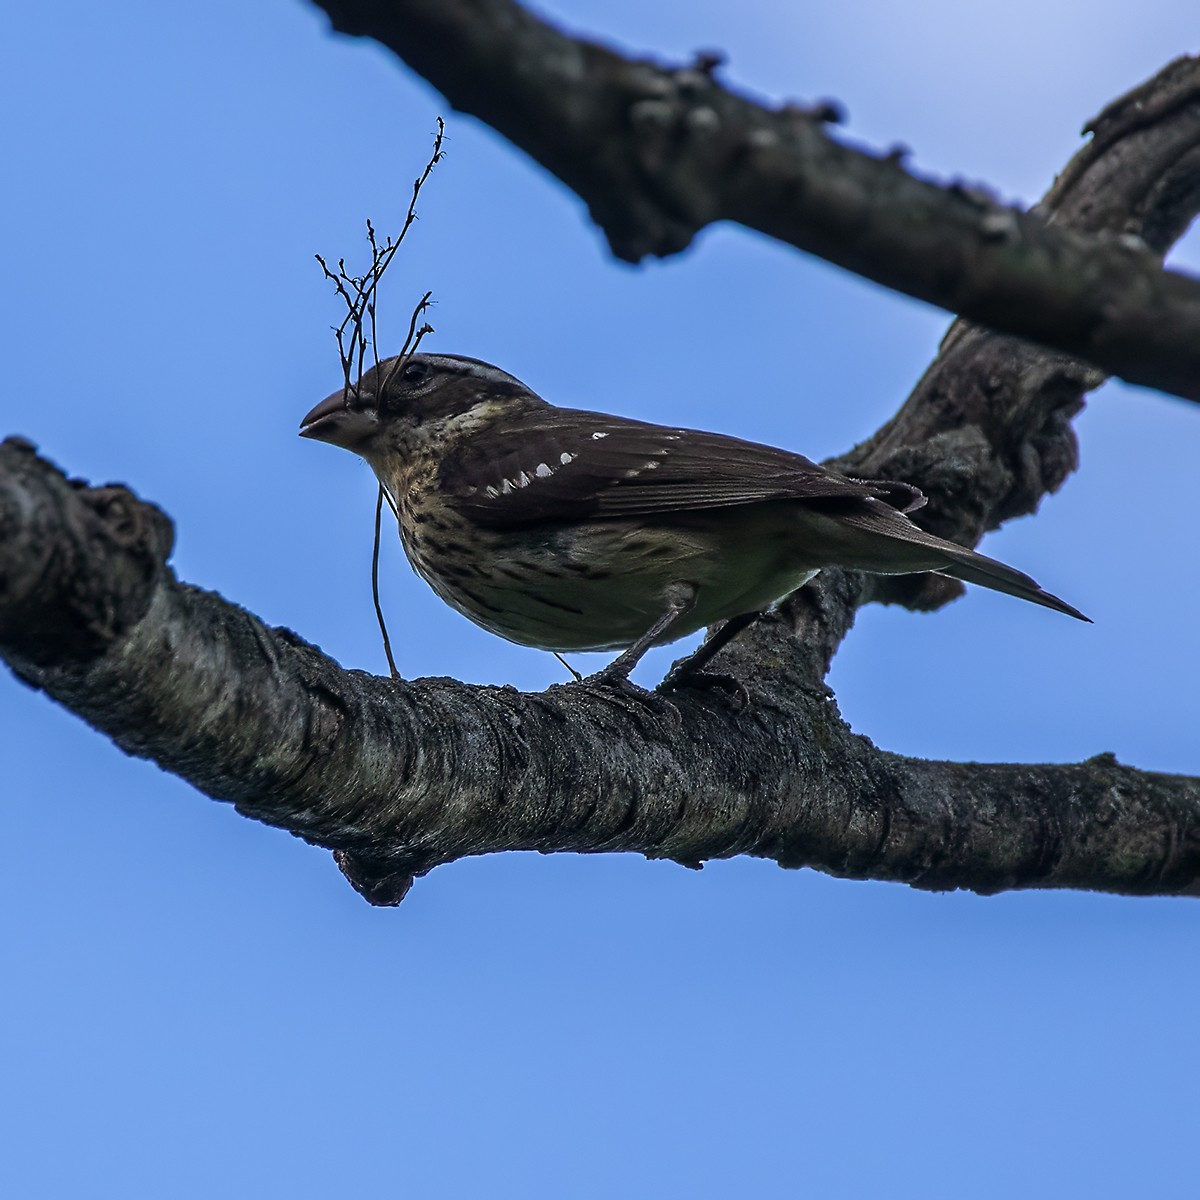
[473, 367]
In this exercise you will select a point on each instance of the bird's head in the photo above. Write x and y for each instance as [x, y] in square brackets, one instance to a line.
[404, 401]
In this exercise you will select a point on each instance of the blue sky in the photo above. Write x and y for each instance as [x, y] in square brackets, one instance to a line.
[196, 1005]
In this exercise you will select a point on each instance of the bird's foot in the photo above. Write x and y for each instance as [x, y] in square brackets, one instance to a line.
[735, 689]
[619, 684]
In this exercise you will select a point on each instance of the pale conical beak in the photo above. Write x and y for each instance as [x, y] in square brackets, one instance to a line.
[336, 422]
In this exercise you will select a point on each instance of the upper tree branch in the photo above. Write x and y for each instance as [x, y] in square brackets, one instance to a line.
[657, 153]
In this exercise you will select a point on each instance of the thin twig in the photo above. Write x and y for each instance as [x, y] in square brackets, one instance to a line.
[359, 329]
[387, 642]
[578, 677]
[411, 341]
[360, 293]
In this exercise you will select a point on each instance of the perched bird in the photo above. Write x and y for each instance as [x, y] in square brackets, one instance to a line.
[572, 530]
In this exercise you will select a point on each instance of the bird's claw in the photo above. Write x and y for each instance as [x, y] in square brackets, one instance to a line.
[622, 685]
[735, 689]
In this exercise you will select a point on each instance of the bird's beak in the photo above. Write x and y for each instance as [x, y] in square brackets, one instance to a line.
[345, 418]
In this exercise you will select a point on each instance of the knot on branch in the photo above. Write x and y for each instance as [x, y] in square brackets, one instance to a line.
[682, 129]
[78, 565]
[379, 882]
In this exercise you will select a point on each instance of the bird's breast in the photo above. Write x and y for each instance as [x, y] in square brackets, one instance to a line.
[595, 585]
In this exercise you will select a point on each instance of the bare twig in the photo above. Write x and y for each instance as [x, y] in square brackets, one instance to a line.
[387, 642]
[359, 329]
[360, 293]
[412, 339]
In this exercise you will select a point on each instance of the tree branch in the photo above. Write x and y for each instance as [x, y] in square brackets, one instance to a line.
[400, 777]
[657, 153]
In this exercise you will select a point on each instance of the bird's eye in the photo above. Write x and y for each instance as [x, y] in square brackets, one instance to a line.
[415, 372]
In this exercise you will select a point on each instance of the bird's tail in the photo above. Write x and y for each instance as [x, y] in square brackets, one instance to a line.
[874, 536]
[987, 572]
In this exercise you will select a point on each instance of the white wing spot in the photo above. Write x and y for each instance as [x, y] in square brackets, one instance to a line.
[651, 464]
[491, 491]
[566, 456]
[506, 488]
[522, 480]
[597, 436]
[543, 471]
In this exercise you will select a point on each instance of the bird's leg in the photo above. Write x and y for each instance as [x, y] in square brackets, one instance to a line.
[690, 672]
[718, 641]
[679, 599]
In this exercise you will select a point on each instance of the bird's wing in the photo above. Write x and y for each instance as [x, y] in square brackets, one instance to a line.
[565, 464]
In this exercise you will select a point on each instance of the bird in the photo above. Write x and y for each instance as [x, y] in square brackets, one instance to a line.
[569, 530]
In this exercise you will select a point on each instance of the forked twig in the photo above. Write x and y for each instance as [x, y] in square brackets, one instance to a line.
[358, 331]
[360, 293]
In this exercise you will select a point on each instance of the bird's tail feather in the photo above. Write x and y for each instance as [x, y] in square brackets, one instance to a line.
[987, 572]
[883, 539]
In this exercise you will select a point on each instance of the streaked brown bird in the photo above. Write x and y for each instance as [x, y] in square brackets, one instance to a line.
[573, 530]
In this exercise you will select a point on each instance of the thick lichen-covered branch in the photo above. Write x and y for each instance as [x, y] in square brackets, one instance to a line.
[400, 777]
